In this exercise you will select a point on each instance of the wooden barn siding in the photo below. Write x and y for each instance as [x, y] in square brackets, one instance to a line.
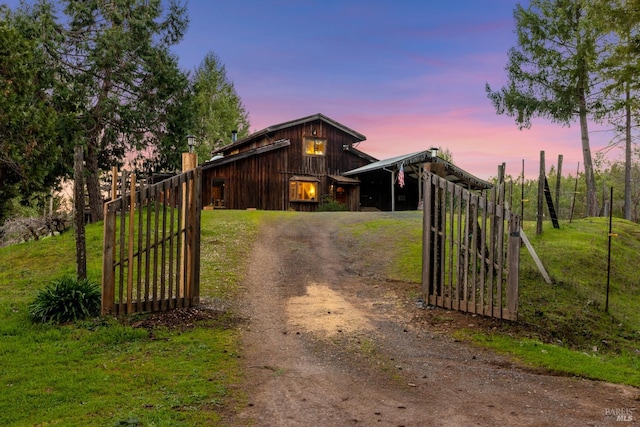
[299, 163]
[262, 181]
[253, 182]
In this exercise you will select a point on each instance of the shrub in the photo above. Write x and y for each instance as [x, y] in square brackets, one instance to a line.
[331, 205]
[66, 300]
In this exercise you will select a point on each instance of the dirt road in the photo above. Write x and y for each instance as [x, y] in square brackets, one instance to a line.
[329, 342]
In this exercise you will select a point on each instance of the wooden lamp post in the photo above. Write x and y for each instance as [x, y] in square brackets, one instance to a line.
[190, 159]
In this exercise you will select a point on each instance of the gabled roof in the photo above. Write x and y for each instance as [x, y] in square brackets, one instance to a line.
[453, 172]
[358, 137]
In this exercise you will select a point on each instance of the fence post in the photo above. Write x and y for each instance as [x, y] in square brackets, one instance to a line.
[132, 229]
[114, 196]
[114, 182]
[541, 179]
[513, 265]
[427, 285]
[196, 235]
[108, 272]
[189, 162]
[558, 182]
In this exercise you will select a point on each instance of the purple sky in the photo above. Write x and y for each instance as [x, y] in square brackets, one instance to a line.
[408, 75]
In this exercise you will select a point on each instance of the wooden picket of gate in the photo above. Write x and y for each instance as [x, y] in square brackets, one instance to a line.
[151, 259]
[471, 251]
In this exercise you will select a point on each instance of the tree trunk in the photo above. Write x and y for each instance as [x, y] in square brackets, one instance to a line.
[627, 157]
[592, 195]
[93, 183]
[78, 203]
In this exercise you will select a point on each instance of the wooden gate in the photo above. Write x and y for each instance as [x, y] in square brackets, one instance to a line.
[151, 259]
[471, 251]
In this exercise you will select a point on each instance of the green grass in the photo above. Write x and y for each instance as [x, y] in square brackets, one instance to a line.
[104, 372]
[401, 234]
[562, 327]
[74, 376]
[621, 368]
[572, 310]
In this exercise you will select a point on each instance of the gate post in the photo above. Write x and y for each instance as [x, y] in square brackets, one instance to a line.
[427, 265]
[195, 253]
[109, 247]
[189, 162]
[513, 261]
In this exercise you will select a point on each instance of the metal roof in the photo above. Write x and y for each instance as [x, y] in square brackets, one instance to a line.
[453, 173]
[408, 159]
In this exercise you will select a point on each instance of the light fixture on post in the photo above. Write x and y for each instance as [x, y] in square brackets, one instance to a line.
[191, 140]
[434, 153]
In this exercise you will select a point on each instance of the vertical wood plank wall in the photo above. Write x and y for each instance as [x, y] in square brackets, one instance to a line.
[470, 257]
[151, 259]
[262, 181]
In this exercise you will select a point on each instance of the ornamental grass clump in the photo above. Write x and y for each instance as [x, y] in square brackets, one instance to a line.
[65, 300]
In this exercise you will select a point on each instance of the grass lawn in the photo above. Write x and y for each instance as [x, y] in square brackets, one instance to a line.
[104, 371]
[107, 372]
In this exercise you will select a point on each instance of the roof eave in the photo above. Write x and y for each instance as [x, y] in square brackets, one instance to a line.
[358, 136]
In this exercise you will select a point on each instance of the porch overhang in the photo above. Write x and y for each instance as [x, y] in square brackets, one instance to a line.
[344, 180]
[453, 173]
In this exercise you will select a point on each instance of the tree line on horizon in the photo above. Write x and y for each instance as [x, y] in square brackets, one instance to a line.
[578, 60]
[569, 195]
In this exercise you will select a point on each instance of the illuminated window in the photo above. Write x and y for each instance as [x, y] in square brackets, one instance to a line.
[303, 191]
[314, 146]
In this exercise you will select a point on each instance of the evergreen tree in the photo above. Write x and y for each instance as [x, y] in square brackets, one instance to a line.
[218, 108]
[552, 71]
[29, 152]
[116, 78]
[621, 66]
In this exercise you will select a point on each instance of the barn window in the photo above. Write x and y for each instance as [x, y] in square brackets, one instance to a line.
[315, 146]
[303, 189]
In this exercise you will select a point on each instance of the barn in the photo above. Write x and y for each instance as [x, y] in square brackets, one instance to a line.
[302, 164]
[296, 165]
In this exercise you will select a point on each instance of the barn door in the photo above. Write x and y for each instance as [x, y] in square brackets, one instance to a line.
[217, 192]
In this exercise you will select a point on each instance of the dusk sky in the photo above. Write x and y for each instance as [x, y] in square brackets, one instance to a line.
[408, 75]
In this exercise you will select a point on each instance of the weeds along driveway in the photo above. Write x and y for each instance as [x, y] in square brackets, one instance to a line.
[329, 341]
